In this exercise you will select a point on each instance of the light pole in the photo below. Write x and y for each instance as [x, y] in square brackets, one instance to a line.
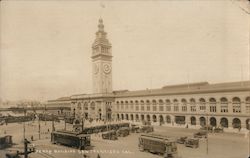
[207, 129]
[249, 137]
[24, 113]
[205, 112]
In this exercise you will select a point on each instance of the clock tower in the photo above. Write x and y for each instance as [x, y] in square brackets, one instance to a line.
[102, 62]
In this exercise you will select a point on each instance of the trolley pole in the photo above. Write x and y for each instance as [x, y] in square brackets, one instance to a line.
[53, 125]
[64, 123]
[82, 124]
[39, 128]
[207, 130]
[24, 123]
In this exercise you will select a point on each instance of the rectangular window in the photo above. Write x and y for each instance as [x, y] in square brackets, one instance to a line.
[224, 109]
[212, 108]
[137, 108]
[248, 109]
[142, 108]
[118, 107]
[160, 108]
[202, 107]
[176, 108]
[148, 108]
[131, 107]
[193, 108]
[126, 107]
[184, 108]
[154, 108]
[122, 107]
[168, 108]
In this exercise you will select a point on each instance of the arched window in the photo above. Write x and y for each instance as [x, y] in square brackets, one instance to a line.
[131, 105]
[212, 105]
[193, 120]
[142, 102]
[213, 121]
[142, 105]
[236, 105]
[161, 102]
[92, 106]
[224, 122]
[86, 106]
[154, 105]
[136, 102]
[168, 119]
[202, 121]
[122, 105]
[224, 105]
[184, 105]
[161, 119]
[168, 105]
[154, 118]
[126, 105]
[161, 105]
[176, 105]
[79, 106]
[248, 105]
[236, 123]
[192, 105]
[202, 103]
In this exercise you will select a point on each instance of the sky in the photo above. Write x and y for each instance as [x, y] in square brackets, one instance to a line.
[46, 45]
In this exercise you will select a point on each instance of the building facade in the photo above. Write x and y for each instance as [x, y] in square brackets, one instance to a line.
[189, 105]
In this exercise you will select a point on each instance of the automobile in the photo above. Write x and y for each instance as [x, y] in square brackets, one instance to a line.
[123, 132]
[200, 134]
[181, 140]
[146, 129]
[192, 142]
[218, 130]
[207, 128]
[146, 122]
[111, 135]
[134, 128]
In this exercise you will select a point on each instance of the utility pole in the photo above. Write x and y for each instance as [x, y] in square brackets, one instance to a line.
[24, 113]
[45, 114]
[65, 123]
[207, 130]
[53, 125]
[39, 128]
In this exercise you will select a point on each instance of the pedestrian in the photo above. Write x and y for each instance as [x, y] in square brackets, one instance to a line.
[32, 139]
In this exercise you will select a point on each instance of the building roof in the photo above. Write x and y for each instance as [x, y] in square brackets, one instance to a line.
[191, 88]
[200, 87]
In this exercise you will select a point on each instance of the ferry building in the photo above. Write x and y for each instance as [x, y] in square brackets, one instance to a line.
[187, 105]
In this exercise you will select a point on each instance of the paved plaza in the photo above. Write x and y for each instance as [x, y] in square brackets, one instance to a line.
[220, 145]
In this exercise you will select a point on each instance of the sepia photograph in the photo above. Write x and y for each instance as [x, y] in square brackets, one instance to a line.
[124, 79]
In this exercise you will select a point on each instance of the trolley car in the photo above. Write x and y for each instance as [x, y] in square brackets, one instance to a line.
[71, 139]
[158, 144]
[5, 141]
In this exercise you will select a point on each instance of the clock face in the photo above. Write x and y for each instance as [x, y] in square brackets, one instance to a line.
[96, 68]
[106, 68]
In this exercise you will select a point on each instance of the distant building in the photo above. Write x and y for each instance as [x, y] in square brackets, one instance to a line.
[192, 105]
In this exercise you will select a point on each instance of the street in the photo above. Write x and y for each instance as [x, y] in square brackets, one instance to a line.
[220, 145]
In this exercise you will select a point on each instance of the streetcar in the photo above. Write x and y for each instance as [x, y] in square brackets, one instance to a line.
[111, 135]
[123, 132]
[158, 144]
[146, 129]
[192, 142]
[71, 139]
[5, 141]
